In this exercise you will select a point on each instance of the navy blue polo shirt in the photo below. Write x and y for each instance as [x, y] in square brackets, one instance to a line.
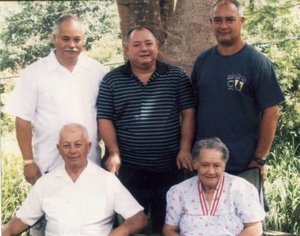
[146, 117]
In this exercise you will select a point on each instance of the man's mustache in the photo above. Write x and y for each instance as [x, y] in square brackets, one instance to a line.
[71, 50]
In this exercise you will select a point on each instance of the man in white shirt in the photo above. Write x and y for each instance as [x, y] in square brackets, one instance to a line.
[78, 198]
[59, 89]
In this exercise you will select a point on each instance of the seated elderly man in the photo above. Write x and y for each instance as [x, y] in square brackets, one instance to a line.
[213, 202]
[78, 198]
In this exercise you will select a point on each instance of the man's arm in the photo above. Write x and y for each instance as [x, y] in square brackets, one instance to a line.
[266, 135]
[108, 134]
[184, 156]
[24, 136]
[252, 229]
[132, 225]
[14, 227]
[170, 230]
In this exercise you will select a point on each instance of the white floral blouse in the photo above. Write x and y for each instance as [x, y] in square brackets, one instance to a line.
[234, 203]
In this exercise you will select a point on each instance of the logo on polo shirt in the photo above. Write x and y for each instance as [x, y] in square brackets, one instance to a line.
[236, 82]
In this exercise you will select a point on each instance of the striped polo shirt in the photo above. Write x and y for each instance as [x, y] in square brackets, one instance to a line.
[146, 117]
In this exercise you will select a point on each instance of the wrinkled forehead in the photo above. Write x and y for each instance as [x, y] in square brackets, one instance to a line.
[210, 153]
[71, 26]
[71, 135]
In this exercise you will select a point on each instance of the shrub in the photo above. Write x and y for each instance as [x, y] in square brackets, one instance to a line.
[283, 189]
[14, 187]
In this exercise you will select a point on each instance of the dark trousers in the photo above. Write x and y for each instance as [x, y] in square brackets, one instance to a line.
[149, 188]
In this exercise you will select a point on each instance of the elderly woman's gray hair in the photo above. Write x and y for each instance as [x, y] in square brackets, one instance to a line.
[213, 143]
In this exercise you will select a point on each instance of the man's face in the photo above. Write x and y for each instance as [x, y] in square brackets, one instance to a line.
[69, 41]
[142, 48]
[74, 148]
[210, 167]
[226, 23]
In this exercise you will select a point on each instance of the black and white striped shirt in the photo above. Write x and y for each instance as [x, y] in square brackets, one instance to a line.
[146, 117]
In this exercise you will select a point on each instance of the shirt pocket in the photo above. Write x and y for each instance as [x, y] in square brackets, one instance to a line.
[54, 207]
[94, 209]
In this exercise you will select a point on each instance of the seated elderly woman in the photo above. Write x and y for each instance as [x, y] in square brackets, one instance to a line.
[213, 202]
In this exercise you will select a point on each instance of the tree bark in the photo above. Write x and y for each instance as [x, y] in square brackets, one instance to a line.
[182, 27]
[134, 13]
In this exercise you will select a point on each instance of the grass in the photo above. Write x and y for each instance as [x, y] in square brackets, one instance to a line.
[283, 189]
[14, 187]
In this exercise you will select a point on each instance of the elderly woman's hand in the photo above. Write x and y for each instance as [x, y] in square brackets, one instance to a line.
[170, 230]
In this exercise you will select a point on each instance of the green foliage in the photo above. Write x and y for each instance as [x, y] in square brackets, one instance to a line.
[108, 50]
[273, 27]
[27, 34]
[14, 187]
[283, 189]
[7, 124]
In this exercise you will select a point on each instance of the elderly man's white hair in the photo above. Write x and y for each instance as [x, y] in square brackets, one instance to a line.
[64, 18]
[74, 127]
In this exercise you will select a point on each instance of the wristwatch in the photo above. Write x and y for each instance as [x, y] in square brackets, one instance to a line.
[260, 161]
[27, 162]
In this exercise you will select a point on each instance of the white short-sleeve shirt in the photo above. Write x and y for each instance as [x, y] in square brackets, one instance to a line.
[86, 207]
[235, 202]
[51, 96]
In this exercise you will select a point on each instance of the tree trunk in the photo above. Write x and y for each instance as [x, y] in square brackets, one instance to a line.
[182, 27]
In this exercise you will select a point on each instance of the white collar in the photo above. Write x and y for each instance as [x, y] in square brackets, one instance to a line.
[90, 169]
[55, 65]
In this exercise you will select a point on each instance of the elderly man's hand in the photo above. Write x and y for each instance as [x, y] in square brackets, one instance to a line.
[185, 159]
[32, 173]
[263, 169]
[113, 163]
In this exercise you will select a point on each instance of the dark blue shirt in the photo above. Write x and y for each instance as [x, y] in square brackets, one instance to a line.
[232, 91]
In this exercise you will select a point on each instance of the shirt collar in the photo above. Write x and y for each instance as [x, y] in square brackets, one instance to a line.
[161, 68]
[90, 169]
[55, 65]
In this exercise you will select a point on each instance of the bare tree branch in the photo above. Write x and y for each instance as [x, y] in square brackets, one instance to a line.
[275, 41]
[269, 9]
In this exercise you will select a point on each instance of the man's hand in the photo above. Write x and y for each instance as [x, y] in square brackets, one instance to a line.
[185, 159]
[24, 137]
[32, 173]
[108, 133]
[263, 169]
[113, 163]
[14, 227]
[132, 225]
